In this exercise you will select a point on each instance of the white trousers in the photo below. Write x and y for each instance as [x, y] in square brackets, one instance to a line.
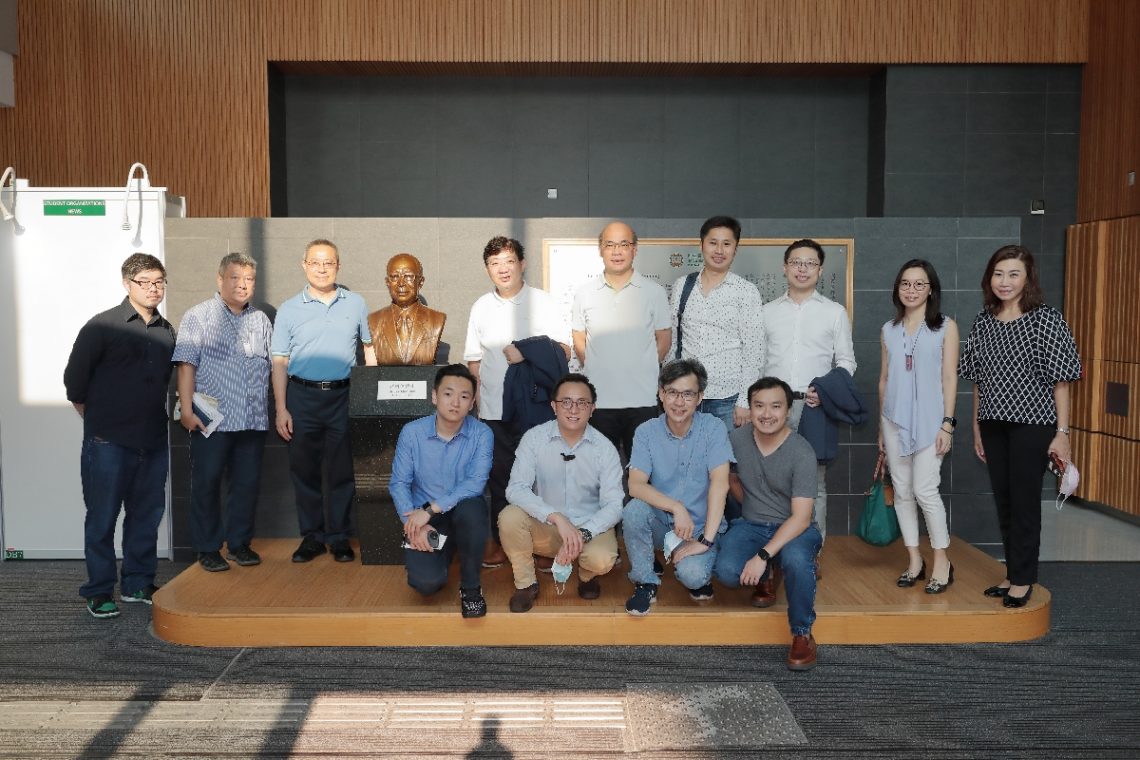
[916, 479]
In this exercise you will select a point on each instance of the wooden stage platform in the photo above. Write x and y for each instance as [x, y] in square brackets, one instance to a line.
[325, 603]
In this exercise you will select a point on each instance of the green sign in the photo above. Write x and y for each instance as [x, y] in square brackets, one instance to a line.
[13, 554]
[75, 208]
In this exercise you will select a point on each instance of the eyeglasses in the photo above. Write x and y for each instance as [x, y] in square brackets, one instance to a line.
[570, 404]
[151, 284]
[624, 246]
[673, 394]
[803, 264]
[322, 265]
[918, 286]
[408, 277]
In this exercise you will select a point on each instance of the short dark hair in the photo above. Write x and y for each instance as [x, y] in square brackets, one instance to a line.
[454, 370]
[141, 262]
[767, 383]
[678, 368]
[934, 317]
[500, 243]
[236, 258]
[1031, 297]
[805, 243]
[721, 221]
[575, 377]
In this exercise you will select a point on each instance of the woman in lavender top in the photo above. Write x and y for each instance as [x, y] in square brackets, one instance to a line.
[917, 386]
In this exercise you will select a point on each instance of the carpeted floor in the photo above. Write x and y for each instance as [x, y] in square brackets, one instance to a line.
[1073, 694]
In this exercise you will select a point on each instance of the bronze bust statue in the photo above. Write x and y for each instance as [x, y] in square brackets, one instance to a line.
[406, 332]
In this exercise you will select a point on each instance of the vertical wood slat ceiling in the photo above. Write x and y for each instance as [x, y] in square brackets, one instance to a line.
[1110, 113]
[182, 86]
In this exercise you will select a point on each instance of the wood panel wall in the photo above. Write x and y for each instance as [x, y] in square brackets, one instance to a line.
[1110, 113]
[1100, 296]
[182, 84]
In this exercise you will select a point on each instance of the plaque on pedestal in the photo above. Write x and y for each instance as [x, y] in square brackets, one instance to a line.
[381, 401]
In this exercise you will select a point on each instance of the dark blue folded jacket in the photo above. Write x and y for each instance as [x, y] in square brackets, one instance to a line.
[529, 385]
[839, 401]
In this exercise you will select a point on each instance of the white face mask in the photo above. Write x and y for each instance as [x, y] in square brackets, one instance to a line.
[670, 544]
[561, 574]
[1068, 480]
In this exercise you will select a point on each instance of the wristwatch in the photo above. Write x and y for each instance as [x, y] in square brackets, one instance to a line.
[705, 541]
[764, 555]
[952, 420]
[1064, 430]
[587, 536]
[426, 506]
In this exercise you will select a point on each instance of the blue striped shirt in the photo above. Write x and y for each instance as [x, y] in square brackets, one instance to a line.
[231, 355]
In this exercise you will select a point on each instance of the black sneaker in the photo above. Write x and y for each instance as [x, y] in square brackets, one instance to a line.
[102, 606]
[309, 548]
[342, 551]
[143, 595]
[644, 596]
[471, 602]
[702, 594]
[244, 556]
[212, 562]
[658, 569]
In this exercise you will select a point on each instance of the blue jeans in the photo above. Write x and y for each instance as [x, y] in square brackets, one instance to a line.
[796, 559]
[720, 408]
[134, 480]
[465, 526]
[644, 528]
[239, 452]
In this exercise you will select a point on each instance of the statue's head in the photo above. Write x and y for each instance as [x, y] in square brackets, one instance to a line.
[405, 278]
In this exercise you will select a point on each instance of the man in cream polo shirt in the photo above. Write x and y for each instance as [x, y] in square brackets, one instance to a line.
[621, 326]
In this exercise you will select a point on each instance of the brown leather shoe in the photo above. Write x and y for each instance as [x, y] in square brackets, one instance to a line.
[765, 593]
[493, 555]
[543, 564]
[801, 655]
[523, 599]
[590, 589]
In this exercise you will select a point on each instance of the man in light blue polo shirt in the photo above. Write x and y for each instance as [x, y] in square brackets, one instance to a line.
[678, 478]
[441, 466]
[223, 351]
[314, 350]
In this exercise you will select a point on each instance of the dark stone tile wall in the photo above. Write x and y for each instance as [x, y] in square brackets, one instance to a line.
[450, 251]
[646, 147]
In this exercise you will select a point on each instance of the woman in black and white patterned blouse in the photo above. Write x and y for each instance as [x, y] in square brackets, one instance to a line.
[1021, 357]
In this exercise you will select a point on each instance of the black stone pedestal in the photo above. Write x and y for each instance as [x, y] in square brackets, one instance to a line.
[374, 425]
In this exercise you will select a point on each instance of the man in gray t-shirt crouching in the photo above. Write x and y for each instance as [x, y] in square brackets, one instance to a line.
[775, 480]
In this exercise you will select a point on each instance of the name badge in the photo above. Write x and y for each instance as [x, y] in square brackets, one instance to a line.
[401, 390]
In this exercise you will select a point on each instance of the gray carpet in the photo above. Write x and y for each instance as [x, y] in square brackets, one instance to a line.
[1073, 694]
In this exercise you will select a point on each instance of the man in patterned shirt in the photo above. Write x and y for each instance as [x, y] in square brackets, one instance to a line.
[223, 353]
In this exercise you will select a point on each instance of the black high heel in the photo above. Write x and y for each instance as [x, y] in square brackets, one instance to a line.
[1014, 602]
[906, 580]
[936, 586]
[996, 592]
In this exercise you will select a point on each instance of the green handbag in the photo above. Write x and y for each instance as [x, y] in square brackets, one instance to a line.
[878, 524]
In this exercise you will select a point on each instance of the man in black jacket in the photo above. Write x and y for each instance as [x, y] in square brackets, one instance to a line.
[117, 378]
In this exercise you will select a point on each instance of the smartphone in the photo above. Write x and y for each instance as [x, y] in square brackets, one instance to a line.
[435, 540]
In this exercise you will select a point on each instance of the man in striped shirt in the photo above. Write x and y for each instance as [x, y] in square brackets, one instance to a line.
[223, 353]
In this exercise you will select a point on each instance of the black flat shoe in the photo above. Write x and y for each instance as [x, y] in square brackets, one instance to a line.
[907, 580]
[936, 586]
[1014, 602]
[996, 592]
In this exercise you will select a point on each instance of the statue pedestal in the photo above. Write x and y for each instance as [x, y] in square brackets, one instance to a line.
[381, 401]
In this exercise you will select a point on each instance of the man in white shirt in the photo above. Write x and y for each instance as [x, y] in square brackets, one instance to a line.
[512, 311]
[621, 327]
[805, 336]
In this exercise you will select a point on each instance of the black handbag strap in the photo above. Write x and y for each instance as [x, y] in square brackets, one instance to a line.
[686, 291]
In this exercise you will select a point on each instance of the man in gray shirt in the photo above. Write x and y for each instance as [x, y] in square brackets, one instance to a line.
[775, 480]
[565, 497]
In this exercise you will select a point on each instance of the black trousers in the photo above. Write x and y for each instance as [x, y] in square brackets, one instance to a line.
[618, 425]
[239, 454]
[320, 439]
[466, 529]
[502, 460]
[1017, 455]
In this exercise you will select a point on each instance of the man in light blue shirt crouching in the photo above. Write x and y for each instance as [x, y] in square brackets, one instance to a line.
[678, 478]
[565, 497]
[439, 471]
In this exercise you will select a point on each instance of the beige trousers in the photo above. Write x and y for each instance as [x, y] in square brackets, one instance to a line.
[522, 537]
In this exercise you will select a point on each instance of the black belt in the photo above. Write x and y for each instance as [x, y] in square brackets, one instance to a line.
[324, 385]
[798, 396]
